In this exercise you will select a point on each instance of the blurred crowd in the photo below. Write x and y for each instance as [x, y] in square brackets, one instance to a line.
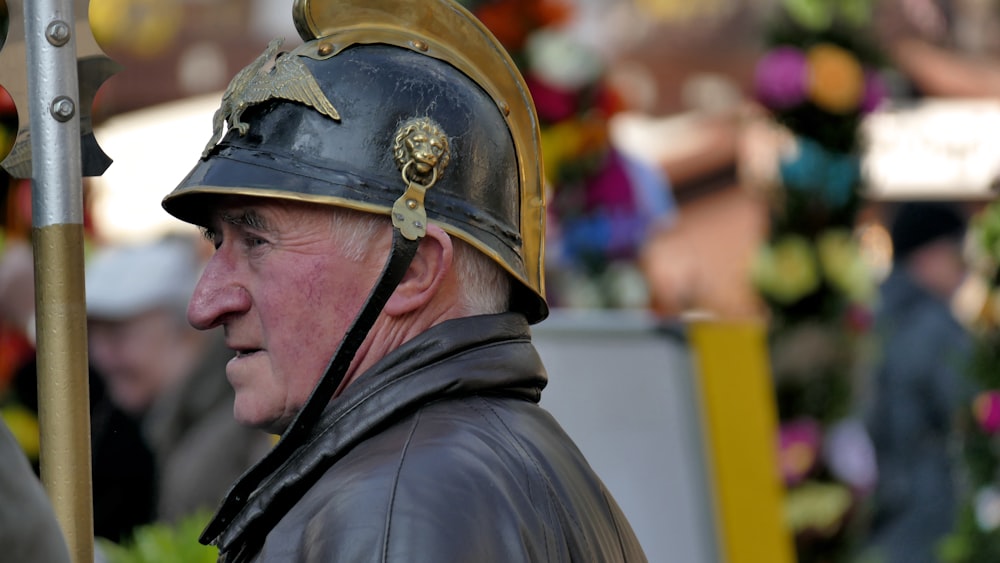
[164, 443]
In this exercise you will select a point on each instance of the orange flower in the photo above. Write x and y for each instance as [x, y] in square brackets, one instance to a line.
[836, 79]
[506, 22]
[552, 12]
[511, 21]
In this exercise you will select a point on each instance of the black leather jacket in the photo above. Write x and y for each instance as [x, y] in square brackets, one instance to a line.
[439, 453]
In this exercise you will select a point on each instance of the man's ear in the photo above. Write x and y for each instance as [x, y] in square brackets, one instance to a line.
[426, 274]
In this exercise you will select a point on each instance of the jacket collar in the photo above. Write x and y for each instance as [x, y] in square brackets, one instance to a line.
[456, 358]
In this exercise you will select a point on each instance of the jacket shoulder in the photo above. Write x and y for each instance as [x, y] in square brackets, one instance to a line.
[498, 473]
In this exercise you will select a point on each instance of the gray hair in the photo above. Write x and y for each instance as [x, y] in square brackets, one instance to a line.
[485, 284]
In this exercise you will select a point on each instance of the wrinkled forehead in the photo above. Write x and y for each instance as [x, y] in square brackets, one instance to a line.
[281, 216]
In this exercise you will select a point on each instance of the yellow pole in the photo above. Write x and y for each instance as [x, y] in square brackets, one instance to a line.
[64, 403]
[740, 427]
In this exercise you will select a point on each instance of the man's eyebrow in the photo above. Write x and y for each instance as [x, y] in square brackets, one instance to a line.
[245, 218]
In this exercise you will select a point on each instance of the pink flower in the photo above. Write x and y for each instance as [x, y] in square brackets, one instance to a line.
[553, 104]
[781, 78]
[799, 442]
[875, 92]
[986, 409]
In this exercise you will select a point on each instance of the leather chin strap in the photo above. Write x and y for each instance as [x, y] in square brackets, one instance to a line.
[402, 253]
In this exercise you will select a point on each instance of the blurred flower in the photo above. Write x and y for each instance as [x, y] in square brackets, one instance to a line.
[512, 21]
[798, 452]
[600, 210]
[987, 507]
[858, 319]
[802, 164]
[849, 453]
[806, 349]
[875, 91]
[816, 82]
[607, 225]
[843, 173]
[817, 507]
[986, 234]
[836, 79]
[781, 77]
[808, 166]
[558, 59]
[552, 103]
[571, 151]
[23, 425]
[810, 14]
[986, 409]
[786, 271]
[843, 265]
[560, 143]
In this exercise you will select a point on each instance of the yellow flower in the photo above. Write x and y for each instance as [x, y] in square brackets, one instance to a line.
[787, 271]
[836, 79]
[560, 144]
[817, 507]
[24, 426]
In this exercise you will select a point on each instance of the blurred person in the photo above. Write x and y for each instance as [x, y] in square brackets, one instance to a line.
[17, 289]
[919, 384]
[941, 48]
[122, 469]
[29, 530]
[167, 375]
[121, 462]
[377, 268]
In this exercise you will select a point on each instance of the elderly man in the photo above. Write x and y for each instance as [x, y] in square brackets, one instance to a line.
[395, 358]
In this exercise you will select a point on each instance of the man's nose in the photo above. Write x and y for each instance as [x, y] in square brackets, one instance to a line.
[216, 297]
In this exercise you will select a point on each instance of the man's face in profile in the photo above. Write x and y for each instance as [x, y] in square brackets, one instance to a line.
[285, 292]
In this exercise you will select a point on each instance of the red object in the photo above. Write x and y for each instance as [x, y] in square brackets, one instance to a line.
[859, 319]
[511, 21]
[7, 106]
[15, 350]
[553, 104]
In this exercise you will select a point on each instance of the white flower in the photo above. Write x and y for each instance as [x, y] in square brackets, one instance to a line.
[987, 505]
[561, 61]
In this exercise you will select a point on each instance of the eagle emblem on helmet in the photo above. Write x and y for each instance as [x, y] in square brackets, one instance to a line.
[269, 76]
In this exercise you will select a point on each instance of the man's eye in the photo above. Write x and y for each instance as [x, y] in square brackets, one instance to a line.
[255, 241]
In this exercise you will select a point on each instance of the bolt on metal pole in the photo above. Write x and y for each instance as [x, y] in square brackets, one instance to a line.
[57, 235]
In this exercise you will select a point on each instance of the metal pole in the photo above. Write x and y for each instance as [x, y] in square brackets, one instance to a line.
[57, 234]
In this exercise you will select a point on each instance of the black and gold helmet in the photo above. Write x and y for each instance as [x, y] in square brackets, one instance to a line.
[386, 97]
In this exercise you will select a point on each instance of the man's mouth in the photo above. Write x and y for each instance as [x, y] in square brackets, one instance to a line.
[244, 352]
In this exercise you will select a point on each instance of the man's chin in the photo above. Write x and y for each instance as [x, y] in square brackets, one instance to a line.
[254, 418]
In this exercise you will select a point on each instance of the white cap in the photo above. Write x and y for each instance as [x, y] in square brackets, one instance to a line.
[124, 281]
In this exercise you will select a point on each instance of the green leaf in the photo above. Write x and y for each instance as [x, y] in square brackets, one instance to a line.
[857, 13]
[811, 14]
[163, 543]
